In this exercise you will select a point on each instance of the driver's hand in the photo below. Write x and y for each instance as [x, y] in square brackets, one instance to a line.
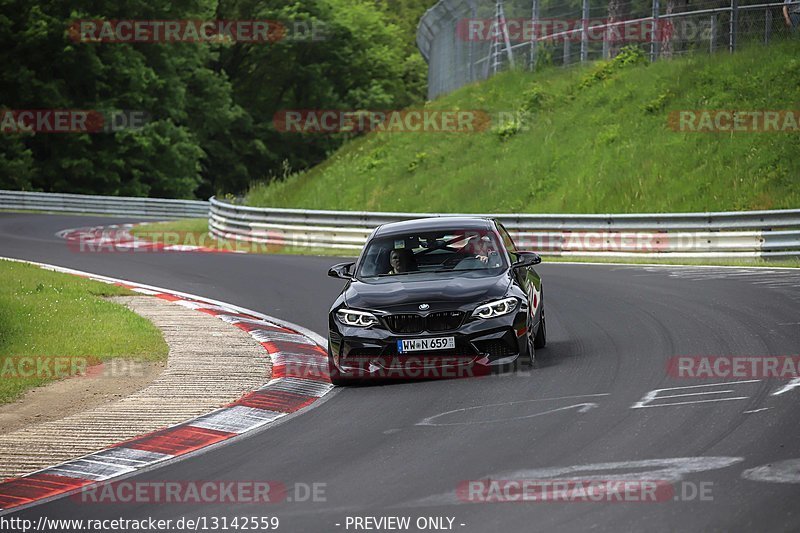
[483, 258]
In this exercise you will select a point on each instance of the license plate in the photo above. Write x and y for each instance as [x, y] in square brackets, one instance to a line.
[421, 345]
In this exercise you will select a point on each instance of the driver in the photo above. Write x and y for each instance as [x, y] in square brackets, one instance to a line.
[400, 261]
[394, 262]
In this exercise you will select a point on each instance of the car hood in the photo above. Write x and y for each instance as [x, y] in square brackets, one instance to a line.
[439, 292]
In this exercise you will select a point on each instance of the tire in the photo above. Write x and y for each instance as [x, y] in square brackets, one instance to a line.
[528, 357]
[540, 341]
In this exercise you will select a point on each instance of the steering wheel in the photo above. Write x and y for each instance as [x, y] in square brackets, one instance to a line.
[456, 259]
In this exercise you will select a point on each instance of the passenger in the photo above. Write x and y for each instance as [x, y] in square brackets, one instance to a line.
[480, 247]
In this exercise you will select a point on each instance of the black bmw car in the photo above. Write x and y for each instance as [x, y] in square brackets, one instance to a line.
[435, 297]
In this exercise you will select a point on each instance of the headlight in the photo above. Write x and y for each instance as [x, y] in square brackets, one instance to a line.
[359, 319]
[495, 309]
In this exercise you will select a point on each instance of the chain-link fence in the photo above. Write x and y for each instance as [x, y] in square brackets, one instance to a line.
[468, 40]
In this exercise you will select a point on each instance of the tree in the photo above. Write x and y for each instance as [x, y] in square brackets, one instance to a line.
[209, 106]
[17, 171]
[406, 14]
[356, 62]
[195, 136]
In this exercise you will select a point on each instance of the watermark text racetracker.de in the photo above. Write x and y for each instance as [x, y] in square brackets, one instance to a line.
[113, 240]
[732, 367]
[30, 121]
[409, 367]
[195, 31]
[610, 241]
[582, 491]
[67, 366]
[734, 121]
[228, 492]
[330, 121]
[525, 30]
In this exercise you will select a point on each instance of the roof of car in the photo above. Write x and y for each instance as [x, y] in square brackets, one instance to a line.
[435, 223]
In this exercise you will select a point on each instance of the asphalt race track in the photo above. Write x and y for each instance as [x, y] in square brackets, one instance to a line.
[403, 449]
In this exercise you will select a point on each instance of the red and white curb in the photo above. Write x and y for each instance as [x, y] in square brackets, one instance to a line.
[299, 378]
[118, 238]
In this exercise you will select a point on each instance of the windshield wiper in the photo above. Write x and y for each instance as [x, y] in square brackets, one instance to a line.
[459, 270]
[404, 273]
[429, 272]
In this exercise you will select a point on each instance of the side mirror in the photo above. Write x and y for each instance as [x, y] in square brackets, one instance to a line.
[526, 259]
[342, 270]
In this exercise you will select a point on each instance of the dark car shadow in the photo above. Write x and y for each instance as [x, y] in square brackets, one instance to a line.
[556, 352]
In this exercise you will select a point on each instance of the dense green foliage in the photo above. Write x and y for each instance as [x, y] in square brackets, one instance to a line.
[210, 105]
[591, 139]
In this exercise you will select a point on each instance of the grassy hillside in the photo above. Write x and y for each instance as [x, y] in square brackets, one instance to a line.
[597, 140]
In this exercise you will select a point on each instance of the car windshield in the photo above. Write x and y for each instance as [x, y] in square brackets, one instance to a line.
[438, 252]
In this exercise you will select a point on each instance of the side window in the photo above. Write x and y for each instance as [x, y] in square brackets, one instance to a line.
[506, 239]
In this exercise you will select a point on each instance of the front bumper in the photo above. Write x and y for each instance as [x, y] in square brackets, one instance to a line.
[480, 345]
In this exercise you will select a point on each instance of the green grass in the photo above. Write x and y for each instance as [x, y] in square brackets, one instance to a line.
[53, 315]
[597, 141]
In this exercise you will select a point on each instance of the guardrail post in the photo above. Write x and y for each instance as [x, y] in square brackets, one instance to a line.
[767, 25]
[734, 26]
[655, 32]
[585, 32]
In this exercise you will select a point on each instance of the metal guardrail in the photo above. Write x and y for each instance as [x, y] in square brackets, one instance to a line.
[107, 205]
[725, 234]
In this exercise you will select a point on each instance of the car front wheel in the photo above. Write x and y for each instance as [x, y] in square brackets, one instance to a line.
[528, 358]
[540, 341]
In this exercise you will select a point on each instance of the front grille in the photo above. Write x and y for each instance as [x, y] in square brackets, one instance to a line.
[407, 323]
[444, 321]
[413, 323]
